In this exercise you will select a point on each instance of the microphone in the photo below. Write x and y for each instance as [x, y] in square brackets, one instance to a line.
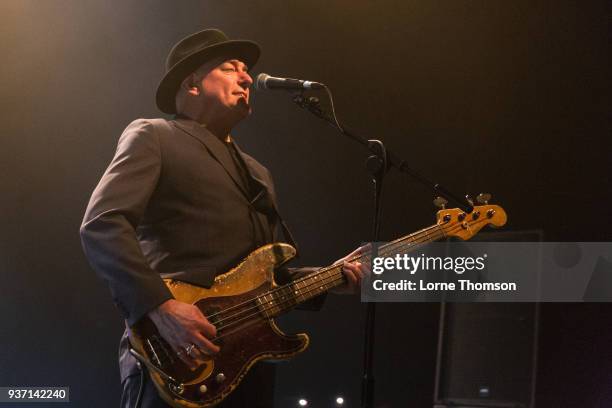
[265, 81]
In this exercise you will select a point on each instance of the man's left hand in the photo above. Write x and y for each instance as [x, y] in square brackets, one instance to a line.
[354, 271]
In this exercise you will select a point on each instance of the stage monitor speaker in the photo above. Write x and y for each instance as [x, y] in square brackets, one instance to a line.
[487, 352]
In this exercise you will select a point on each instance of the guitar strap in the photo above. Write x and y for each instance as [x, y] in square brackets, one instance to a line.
[276, 217]
[287, 234]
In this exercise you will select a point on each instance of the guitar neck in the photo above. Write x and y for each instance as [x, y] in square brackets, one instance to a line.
[286, 297]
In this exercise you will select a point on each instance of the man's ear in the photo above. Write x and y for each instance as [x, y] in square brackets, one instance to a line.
[191, 86]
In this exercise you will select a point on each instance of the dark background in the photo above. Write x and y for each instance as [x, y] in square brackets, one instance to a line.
[508, 97]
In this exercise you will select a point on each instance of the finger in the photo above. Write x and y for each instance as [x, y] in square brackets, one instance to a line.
[357, 252]
[204, 326]
[207, 329]
[212, 330]
[350, 275]
[205, 346]
[196, 354]
[362, 249]
[357, 269]
[182, 355]
[366, 268]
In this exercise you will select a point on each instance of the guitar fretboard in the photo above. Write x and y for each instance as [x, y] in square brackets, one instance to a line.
[286, 297]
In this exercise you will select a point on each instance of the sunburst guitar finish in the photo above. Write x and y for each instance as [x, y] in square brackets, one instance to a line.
[251, 334]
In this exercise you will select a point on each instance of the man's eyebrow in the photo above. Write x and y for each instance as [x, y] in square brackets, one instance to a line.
[237, 63]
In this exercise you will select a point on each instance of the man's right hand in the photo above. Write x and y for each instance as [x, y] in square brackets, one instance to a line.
[182, 325]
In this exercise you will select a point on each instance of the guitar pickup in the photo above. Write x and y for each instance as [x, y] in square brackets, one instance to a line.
[161, 355]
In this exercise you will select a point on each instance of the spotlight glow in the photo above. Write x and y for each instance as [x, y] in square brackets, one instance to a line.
[302, 402]
[339, 401]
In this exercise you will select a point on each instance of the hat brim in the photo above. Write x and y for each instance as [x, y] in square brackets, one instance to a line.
[246, 51]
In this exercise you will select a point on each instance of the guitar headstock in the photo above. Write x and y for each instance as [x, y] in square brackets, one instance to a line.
[456, 223]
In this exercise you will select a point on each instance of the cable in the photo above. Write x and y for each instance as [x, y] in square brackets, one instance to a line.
[141, 388]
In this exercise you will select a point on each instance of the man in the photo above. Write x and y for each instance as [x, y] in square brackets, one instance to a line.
[180, 200]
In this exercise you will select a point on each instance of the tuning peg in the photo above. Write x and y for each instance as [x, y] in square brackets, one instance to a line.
[440, 202]
[469, 199]
[483, 198]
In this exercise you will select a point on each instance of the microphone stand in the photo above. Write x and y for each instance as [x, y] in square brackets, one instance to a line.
[378, 163]
[312, 104]
[377, 167]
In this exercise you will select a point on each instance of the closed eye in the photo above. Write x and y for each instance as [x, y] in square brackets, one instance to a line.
[234, 65]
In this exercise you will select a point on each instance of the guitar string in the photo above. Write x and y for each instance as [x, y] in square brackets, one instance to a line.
[387, 248]
[284, 304]
[281, 305]
[335, 279]
[393, 244]
[250, 321]
[423, 234]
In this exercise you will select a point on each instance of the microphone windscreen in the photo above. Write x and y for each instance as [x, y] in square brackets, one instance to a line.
[260, 81]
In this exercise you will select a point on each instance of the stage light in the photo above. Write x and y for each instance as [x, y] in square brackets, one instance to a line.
[302, 402]
[339, 401]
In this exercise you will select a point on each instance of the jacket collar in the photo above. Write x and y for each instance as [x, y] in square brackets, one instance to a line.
[220, 152]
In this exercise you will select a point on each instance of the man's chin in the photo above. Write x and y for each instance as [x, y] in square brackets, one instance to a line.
[244, 107]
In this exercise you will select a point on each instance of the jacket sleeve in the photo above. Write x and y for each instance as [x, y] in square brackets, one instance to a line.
[116, 207]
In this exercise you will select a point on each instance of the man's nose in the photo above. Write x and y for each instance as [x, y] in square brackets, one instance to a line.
[245, 80]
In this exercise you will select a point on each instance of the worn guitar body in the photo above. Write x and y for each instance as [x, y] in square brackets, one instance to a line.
[242, 345]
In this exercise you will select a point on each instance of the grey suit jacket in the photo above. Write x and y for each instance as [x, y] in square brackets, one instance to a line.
[171, 204]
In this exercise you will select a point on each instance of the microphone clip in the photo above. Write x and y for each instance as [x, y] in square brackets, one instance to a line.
[311, 103]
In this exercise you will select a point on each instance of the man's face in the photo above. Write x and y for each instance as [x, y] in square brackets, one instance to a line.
[225, 87]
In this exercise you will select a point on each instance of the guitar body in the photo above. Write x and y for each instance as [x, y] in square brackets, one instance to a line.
[250, 336]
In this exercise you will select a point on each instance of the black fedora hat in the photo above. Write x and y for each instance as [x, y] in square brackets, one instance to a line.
[194, 50]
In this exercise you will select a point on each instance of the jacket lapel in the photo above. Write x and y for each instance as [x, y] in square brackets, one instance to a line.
[220, 153]
[262, 200]
[216, 149]
[267, 200]
[260, 184]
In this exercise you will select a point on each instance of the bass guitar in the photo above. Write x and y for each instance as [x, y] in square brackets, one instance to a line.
[243, 303]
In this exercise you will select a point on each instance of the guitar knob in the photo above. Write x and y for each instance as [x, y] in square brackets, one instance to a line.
[469, 199]
[220, 378]
[483, 198]
[440, 202]
[203, 388]
[177, 389]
